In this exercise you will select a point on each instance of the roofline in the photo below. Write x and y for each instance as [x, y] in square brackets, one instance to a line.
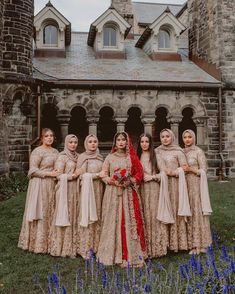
[134, 84]
[157, 3]
[184, 7]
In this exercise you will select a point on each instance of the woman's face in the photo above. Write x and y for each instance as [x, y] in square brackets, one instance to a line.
[165, 138]
[73, 144]
[188, 139]
[92, 144]
[48, 138]
[144, 143]
[121, 142]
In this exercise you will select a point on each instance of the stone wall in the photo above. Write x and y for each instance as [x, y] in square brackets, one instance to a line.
[212, 40]
[17, 37]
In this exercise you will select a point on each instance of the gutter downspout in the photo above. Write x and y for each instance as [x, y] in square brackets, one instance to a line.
[220, 122]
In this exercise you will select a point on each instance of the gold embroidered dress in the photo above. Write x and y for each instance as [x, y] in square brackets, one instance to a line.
[35, 230]
[156, 231]
[91, 162]
[198, 226]
[171, 158]
[63, 232]
[122, 234]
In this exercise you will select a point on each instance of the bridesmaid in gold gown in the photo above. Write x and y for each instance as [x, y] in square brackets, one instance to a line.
[39, 205]
[156, 231]
[122, 238]
[90, 164]
[63, 233]
[171, 159]
[199, 233]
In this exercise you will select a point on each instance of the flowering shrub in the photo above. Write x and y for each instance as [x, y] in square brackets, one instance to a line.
[213, 273]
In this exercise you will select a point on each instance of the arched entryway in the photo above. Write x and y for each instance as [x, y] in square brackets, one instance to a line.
[49, 120]
[78, 125]
[186, 123]
[106, 128]
[134, 126]
[160, 123]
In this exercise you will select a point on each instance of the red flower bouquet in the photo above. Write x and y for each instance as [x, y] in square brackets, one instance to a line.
[121, 175]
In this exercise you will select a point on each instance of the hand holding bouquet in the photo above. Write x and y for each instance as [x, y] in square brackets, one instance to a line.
[121, 177]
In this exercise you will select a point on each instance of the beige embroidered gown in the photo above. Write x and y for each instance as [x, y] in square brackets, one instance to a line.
[34, 235]
[172, 159]
[89, 237]
[198, 226]
[156, 232]
[117, 202]
[63, 240]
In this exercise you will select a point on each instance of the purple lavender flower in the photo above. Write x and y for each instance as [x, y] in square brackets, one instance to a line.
[189, 290]
[63, 290]
[147, 288]
[182, 273]
[54, 279]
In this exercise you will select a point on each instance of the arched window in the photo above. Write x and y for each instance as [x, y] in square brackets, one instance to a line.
[50, 35]
[164, 39]
[186, 123]
[110, 36]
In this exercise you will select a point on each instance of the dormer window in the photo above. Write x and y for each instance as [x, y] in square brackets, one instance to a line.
[110, 35]
[164, 39]
[50, 35]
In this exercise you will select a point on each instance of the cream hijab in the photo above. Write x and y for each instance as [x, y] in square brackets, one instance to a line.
[70, 154]
[172, 146]
[88, 154]
[193, 146]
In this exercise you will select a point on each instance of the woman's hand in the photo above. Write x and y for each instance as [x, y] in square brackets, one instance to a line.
[102, 174]
[53, 174]
[170, 173]
[148, 178]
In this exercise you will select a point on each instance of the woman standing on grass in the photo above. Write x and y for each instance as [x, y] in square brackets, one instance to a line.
[63, 234]
[91, 195]
[39, 205]
[171, 159]
[122, 239]
[156, 231]
[199, 233]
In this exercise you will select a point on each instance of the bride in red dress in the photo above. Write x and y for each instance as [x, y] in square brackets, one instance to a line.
[122, 234]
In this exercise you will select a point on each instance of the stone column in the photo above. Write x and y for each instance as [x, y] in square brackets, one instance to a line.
[121, 120]
[92, 120]
[200, 124]
[63, 119]
[148, 125]
[174, 121]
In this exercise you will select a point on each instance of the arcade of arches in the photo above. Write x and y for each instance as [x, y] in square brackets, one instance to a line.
[106, 124]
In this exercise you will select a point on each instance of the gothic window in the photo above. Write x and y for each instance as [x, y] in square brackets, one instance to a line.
[110, 36]
[164, 39]
[50, 35]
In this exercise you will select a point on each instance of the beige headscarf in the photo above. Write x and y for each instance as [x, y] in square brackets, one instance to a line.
[193, 146]
[71, 154]
[88, 154]
[205, 198]
[172, 146]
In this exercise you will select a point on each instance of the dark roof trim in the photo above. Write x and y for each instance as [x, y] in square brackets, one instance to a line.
[133, 84]
[182, 10]
[143, 38]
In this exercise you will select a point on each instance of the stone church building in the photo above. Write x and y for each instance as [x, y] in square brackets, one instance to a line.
[140, 68]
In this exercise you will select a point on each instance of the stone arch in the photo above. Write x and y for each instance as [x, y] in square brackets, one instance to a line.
[78, 125]
[106, 127]
[197, 106]
[107, 105]
[49, 119]
[186, 123]
[134, 126]
[161, 115]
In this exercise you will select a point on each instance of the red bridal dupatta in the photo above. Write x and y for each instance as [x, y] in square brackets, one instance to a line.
[136, 171]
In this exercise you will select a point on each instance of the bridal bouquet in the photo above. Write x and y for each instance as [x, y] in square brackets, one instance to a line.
[121, 175]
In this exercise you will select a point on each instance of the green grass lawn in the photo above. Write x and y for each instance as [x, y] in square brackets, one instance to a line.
[17, 268]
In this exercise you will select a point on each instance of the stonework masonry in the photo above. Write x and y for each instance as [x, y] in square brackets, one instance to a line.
[212, 39]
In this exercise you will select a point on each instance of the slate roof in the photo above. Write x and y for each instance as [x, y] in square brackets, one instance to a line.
[80, 64]
[147, 13]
